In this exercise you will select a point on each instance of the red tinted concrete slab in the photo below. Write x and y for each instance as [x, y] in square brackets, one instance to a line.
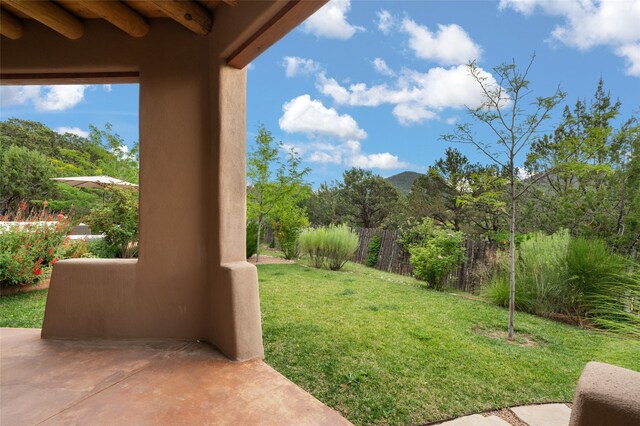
[143, 382]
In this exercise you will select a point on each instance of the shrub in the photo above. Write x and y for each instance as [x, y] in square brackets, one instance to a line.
[556, 274]
[329, 246]
[434, 252]
[72, 249]
[288, 225]
[118, 220]
[252, 235]
[311, 242]
[26, 250]
[374, 251]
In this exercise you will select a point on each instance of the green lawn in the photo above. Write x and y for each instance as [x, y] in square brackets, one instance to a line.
[23, 309]
[382, 350]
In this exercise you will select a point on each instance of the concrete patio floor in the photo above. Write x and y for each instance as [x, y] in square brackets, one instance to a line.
[143, 382]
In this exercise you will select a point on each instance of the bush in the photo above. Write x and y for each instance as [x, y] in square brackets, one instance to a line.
[374, 251]
[252, 238]
[434, 252]
[288, 225]
[581, 278]
[72, 249]
[118, 220]
[102, 250]
[26, 250]
[329, 246]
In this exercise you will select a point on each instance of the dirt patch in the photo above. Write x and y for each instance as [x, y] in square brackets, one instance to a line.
[270, 260]
[15, 289]
[507, 415]
[520, 338]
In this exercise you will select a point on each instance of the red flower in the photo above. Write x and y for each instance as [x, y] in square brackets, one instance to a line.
[53, 262]
[60, 217]
[37, 271]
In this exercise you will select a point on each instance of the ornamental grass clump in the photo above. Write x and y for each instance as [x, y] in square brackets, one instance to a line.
[573, 277]
[329, 246]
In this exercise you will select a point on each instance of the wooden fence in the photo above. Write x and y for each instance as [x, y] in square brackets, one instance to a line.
[480, 258]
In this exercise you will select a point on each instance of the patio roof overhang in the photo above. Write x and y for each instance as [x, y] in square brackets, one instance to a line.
[69, 17]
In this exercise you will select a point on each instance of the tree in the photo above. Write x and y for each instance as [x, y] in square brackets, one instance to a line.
[439, 193]
[503, 112]
[591, 190]
[366, 199]
[272, 182]
[24, 175]
[322, 206]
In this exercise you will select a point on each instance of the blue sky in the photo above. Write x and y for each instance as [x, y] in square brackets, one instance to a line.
[374, 84]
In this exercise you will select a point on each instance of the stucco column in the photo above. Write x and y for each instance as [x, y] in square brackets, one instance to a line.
[235, 305]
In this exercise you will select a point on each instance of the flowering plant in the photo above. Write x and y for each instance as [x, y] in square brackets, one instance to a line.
[29, 241]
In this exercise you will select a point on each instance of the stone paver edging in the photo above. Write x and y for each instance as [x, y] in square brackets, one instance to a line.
[532, 415]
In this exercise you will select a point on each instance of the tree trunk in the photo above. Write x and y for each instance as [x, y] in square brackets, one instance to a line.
[512, 257]
[258, 246]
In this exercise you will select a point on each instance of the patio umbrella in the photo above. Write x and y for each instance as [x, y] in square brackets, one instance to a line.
[96, 182]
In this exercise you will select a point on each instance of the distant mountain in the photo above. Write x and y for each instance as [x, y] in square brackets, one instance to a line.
[404, 181]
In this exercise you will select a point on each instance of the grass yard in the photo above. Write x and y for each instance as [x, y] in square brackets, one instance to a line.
[382, 350]
[23, 310]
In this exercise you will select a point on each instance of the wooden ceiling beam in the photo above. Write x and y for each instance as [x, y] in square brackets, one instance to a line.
[188, 13]
[119, 15]
[10, 26]
[51, 15]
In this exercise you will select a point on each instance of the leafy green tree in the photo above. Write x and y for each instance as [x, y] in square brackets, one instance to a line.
[102, 153]
[323, 206]
[24, 175]
[288, 222]
[367, 200]
[591, 189]
[272, 182]
[503, 112]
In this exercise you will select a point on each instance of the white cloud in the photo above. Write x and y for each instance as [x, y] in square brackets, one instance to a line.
[73, 130]
[383, 161]
[416, 96]
[412, 113]
[331, 21]
[386, 21]
[335, 138]
[348, 153]
[60, 98]
[309, 116]
[106, 87]
[590, 23]
[450, 45]
[17, 95]
[631, 53]
[294, 66]
[44, 98]
[452, 120]
[381, 67]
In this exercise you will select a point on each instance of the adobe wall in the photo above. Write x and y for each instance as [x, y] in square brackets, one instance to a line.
[191, 280]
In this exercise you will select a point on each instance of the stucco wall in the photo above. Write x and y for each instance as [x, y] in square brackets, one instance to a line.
[191, 280]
